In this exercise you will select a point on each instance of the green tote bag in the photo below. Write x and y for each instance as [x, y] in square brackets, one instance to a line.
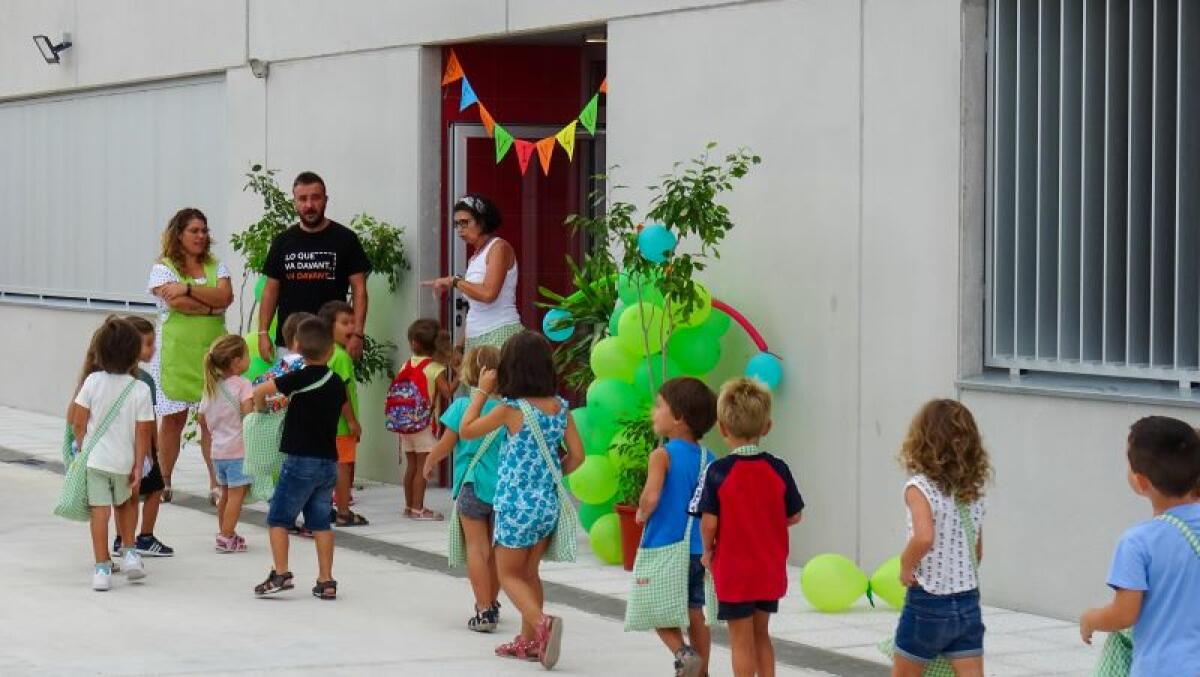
[456, 541]
[73, 501]
[658, 597]
[564, 544]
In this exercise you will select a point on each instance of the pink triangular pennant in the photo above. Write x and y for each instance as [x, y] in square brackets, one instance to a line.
[524, 152]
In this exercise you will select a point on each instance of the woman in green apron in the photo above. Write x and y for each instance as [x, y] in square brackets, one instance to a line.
[192, 290]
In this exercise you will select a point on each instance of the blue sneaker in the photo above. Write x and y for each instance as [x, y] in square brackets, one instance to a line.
[147, 545]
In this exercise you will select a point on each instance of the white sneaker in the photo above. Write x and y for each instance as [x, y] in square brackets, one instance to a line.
[132, 566]
[102, 579]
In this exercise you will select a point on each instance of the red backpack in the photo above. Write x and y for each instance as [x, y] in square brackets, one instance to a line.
[409, 408]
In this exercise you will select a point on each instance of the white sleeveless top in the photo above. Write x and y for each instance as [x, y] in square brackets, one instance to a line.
[485, 317]
[946, 568]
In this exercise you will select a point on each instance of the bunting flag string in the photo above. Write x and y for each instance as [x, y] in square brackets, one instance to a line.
[504, 139]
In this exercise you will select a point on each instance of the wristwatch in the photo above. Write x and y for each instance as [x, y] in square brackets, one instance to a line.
[189, 289]
[455, 280]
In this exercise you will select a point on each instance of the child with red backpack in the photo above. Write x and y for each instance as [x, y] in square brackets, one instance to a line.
[411, 405]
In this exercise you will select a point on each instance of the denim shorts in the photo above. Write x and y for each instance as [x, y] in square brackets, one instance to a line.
[229, 472]
[947, 625]
[305, 486]
[695, 583]
[470, 505]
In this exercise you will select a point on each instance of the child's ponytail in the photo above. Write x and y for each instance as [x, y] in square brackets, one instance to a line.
[220, 357]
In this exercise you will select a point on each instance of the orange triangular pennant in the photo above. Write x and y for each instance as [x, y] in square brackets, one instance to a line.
[545, 149]
[604, 86]
[454, 69]
[488, 123]
[524, 152]
[566, 138]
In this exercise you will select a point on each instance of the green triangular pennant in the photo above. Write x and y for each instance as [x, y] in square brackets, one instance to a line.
[503, 143]
[588, 115]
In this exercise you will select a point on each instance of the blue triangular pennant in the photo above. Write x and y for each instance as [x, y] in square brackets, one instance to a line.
[468, 95]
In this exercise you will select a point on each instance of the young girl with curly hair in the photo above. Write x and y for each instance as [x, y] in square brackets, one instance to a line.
[948, 468]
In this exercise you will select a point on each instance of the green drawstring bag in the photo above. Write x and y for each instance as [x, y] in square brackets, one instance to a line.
[456, 541]
[73, 501]
[658, 597]
[1116, 656]
[564, 543]
[262, 433]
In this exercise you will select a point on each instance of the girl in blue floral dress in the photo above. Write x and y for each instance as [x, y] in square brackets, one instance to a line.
[527, 498]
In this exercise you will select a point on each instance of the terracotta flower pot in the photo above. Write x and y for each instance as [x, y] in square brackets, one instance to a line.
[631, 534]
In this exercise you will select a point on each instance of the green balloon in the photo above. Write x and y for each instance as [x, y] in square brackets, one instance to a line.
[633, 289]
[605, 538]
[640, 329]
[590, 512]
[695, 351]
[610, 359]
[831, 582]
[611, 400]
[595, 432]
[595, 481]
[886, 585]
[258, 366]
[648, 377]
[716, 324]
[614, 319]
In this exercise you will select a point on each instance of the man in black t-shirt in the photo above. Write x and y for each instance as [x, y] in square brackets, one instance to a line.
[314, 261]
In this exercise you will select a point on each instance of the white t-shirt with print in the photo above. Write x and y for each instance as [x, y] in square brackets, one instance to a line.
[114, 451]
[946, 568]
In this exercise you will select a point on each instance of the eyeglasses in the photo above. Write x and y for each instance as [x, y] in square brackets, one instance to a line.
[462, 223]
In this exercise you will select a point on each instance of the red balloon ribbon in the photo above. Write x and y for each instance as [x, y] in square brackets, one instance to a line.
[741, 320]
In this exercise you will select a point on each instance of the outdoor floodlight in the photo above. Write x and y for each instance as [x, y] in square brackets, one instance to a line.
[50, 50]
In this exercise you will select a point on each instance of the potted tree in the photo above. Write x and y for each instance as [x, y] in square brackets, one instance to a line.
[635, 290]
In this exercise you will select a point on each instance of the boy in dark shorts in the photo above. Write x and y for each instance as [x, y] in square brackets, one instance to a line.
[316, 399]
[748, 501]
[684, 411]
[152, 485]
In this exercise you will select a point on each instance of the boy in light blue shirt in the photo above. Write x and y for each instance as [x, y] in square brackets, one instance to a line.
[1156, 569]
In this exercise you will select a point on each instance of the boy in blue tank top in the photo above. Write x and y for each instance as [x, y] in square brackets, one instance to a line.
[684, 411]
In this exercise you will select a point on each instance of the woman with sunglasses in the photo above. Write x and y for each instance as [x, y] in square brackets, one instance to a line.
[490, 282]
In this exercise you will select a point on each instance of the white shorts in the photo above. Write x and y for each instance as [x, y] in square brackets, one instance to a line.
[418, 443]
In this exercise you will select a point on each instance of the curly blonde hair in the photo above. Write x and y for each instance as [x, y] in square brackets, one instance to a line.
[172, 249]
[943, 443]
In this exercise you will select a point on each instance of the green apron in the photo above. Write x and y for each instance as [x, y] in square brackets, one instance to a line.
[185, 341]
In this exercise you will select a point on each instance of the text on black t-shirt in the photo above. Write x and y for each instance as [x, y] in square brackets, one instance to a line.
[313, 268]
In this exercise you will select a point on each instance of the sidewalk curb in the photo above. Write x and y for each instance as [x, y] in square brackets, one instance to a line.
[790, 653]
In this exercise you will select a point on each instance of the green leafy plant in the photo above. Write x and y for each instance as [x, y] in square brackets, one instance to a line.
[687, 202]
[633, 457]
[382, 242]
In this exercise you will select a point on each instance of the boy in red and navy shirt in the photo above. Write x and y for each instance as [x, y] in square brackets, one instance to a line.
[747, 502]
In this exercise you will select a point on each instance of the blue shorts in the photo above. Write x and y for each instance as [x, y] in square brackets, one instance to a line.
[946, 625]
[229, 473]
[305, 486]
[695, 583]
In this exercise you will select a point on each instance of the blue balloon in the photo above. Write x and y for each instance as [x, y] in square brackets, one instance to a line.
[656, 242]
[551, 323]
[766, 368]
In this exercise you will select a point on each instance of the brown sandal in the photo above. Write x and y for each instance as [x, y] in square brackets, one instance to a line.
[325, 589]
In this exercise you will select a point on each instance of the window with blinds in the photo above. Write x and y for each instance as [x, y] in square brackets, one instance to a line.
[1093, 261]
[89, 180]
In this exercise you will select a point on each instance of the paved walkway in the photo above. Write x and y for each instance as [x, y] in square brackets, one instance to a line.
[844, 644]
